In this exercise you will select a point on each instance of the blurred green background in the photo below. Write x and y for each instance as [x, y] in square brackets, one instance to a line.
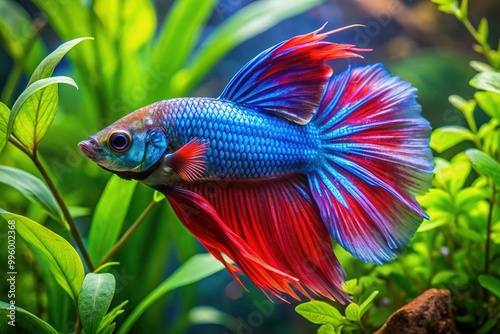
[145, 51]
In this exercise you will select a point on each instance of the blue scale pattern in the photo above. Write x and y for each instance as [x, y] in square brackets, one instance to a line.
[244, 143]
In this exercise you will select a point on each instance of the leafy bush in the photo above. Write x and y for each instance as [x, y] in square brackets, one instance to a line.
[459, 247]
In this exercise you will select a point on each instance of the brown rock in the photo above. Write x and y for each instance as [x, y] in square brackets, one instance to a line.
[428, 313]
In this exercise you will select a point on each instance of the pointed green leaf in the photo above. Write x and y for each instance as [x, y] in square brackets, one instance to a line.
[41, 115]
[47, 66]
[489, 103]
[352, 312]
[94, 300]
[446, 137]
[180, 32]
[490, 283]
[489, 81]
[319, 312]
[485, 164]
[107, 325]
[193, 270]
[366, 304]
[4, 118]
[248, 22]
[109, 216]
[24, 321]
[482, 30]
[33, 189]
[64, 262]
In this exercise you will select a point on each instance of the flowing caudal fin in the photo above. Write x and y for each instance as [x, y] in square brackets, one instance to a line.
[376, 156]
[288, 79]
[263, 225]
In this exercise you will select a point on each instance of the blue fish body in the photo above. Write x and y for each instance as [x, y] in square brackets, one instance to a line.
[287, 158]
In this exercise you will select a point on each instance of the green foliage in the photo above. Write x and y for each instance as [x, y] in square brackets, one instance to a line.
[331, 319]
[25, 321]
[94, 300]
[130, 61]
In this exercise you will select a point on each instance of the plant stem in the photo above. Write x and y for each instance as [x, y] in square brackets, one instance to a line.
[78, 325]
[73, 229]
[484, 44]
[129, 232]
[488, 230]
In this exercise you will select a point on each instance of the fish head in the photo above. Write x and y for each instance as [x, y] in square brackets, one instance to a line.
[134, 143]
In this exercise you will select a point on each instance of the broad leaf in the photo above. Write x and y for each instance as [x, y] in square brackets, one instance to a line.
[4, 118]
[490, 283]
[489, 103]
[36, 118]
[193, 270]
[49, 63]
[319, 312]
[448, 136]
[485, 164]
[109, 216]
[248, 22]
[33, 189]
[129, 24]
[25, 322]
[489, 81]
[352, 312]
[480, 66]
[94, 300]
[326, 329]
[63, 260]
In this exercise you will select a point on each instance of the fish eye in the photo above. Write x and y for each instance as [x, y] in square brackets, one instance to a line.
[119, 141]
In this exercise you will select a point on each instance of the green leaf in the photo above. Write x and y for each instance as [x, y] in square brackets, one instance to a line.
[109, 216]
[326, 329]
[489, 81]
[47, 66]
[466, 199]
[490, 283]
[319, 312]
[193, 270]
[248, 22]
[437, 218]
[107, 323]
[448, 6]
[467, 108]
[365, 305]
[481, 66]
[63, 260]
[180, 32]
[95, 298]
[448, 136]
[352, 312]
[130, 24]
[33, 189]
[485, 164]
[489, 103]
[25, 322]
[487, 326]
[41, 115]
[482, 30]
[4, 118]
[158, 196]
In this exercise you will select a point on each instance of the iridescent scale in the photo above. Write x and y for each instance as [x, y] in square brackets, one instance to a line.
[244, 144]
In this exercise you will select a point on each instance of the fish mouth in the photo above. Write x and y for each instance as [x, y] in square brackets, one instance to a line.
[89, 147]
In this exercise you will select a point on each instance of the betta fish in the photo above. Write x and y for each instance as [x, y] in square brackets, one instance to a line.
[288, 157]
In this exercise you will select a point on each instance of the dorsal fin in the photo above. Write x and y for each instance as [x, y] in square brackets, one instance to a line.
[288, 79]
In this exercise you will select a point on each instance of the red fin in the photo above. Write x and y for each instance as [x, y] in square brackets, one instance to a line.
[288, 79]
[202, 220]
[280, 222]
[189, 161]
